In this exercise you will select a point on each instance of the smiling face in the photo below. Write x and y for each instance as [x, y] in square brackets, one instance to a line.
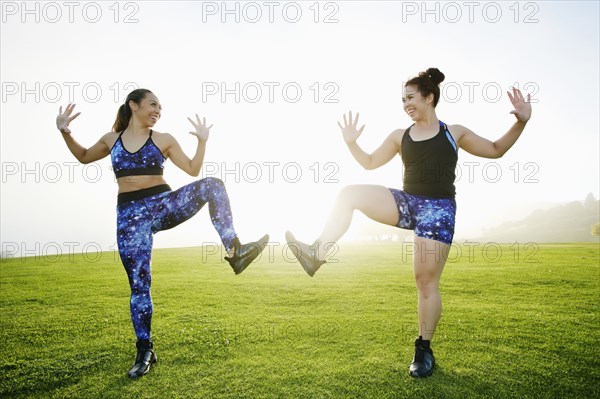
[148, 110]
[414, 104]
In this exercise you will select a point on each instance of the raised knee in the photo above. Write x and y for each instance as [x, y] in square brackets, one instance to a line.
[213, 181]
[348, 190]
[347, 194]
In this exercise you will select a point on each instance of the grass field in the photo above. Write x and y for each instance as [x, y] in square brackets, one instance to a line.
[520, 323]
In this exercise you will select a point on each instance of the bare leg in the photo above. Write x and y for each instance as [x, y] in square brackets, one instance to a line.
[375, 202]
[428, 263]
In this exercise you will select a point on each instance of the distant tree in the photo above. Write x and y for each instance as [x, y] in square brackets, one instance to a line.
[596, 229]
[589, 201]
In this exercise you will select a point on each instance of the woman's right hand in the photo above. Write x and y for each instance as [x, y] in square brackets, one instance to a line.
[64, 118]
[349, 130]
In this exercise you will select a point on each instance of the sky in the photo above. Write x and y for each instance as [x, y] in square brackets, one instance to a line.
[274, 78]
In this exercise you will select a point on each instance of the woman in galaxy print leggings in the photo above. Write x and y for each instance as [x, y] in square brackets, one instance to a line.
[429, 151]
[147, 205]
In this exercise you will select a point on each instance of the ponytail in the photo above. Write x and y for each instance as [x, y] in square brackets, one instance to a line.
[124, 113]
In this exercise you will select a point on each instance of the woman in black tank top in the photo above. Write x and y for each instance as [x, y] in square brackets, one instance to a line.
[426, 204]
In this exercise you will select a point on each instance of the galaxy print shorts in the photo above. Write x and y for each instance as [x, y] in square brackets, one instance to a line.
[431, 218]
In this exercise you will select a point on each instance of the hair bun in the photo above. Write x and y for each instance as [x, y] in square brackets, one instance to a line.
[435, 75]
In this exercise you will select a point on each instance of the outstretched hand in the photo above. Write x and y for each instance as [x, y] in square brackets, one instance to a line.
[201, 129]
[522, 109]
[349, 130]
[64, 118]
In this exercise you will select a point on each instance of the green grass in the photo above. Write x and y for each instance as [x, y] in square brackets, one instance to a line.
[523, 327]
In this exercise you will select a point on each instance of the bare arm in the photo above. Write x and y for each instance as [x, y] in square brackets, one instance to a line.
[87, 155]
[182, 161]
[382, 155]
[479, 146]
[83, 155]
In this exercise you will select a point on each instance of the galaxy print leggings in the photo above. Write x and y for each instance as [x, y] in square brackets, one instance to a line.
[142, 213]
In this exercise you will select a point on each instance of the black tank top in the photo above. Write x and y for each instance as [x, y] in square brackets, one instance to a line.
[429, 165]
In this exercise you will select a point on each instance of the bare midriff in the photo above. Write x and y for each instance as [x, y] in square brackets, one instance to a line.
[134, 183]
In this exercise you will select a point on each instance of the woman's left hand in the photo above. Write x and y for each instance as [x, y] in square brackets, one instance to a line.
[201, 129]
[522, 109]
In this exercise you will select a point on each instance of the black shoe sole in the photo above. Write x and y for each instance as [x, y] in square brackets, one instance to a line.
[246, 260]
[135, 375]
[416, 375]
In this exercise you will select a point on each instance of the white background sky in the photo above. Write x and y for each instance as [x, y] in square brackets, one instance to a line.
[365, 53]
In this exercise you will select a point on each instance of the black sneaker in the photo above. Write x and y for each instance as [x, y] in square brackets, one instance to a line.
[305, 254]
[144, 359]
[423, 360]
[243, 255]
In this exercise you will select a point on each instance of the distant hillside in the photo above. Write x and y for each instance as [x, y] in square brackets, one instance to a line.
[568, 222]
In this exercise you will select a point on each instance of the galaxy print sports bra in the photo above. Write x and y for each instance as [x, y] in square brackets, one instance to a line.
[148, 160]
